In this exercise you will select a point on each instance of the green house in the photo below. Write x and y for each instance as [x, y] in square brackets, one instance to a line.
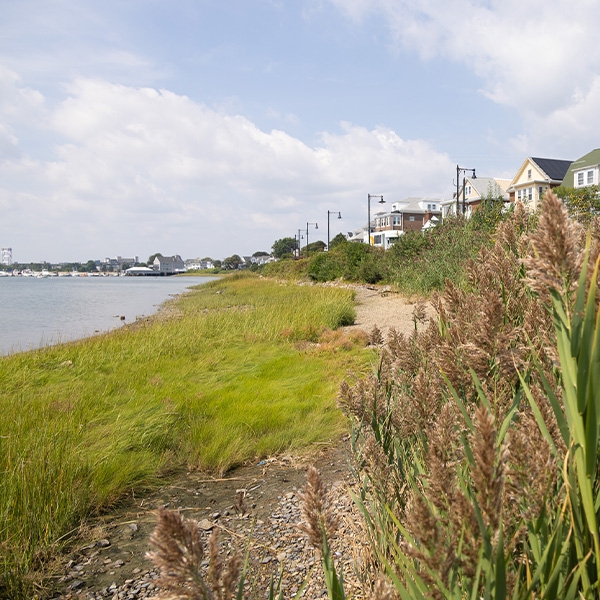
[584, 171]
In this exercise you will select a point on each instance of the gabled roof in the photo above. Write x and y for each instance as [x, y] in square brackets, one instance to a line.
[413, 204]
[483, 185]
[554, 168]
[591, 159]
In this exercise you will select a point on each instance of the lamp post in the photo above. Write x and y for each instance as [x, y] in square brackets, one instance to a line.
[460, 170]
[299, 238]
[331, 212]
[316, 227]
[381, 201]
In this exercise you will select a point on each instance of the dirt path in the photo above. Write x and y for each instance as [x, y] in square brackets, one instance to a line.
[111, 562]
[381, 307]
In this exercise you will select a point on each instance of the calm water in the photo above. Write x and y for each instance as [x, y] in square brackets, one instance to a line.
[38, 312]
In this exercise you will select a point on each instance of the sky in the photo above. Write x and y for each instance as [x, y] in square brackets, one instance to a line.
[208, 128]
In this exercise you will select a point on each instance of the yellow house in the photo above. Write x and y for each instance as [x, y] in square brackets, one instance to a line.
[536, 176]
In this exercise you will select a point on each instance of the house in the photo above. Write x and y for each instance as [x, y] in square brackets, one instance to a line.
[476, 191]
[357, 235]
[410, 214]
[195, 264]
[118, 262]
[535, 176]
[168, 265]
[261, 260]
[584, 171]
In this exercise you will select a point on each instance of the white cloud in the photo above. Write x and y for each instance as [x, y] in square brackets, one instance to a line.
[139, 170]
[539, 57]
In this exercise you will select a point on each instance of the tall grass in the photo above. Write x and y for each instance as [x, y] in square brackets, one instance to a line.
[233, 373]
[477, 440]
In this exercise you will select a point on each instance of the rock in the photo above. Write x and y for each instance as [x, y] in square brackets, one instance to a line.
[74, 585]
[206, 525]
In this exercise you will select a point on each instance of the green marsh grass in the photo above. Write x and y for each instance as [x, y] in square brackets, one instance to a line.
[231, 373]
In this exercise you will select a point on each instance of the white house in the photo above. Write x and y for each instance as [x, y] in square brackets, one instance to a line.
[476, 191]
[195, 264]
[168, 265]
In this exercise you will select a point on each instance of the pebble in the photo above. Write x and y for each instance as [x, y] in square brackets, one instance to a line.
[275, 541]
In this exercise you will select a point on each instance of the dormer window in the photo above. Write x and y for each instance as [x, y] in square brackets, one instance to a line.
[580, 179]
[590, 177]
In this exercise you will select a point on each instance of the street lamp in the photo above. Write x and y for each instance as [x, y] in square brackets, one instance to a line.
[460, 170]
[381, 201]
[316, 227]
[300, 236]
[331, 212]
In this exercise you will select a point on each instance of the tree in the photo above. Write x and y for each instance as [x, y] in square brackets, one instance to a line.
[260, 253]
[582, 203]
[232, 262]
[152, 257]
[89, 267]
[284, 247]
[314, 247]
[217, 264]
[340, 238]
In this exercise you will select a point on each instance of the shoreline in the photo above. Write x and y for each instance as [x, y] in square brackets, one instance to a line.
[40, 324]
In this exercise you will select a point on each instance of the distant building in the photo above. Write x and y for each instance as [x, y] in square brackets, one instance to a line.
[477, 190]
[410, 214]
[118, 262]
[168, 265]
[195, 264]
[7, 256]
[140, 271]
[261, 260]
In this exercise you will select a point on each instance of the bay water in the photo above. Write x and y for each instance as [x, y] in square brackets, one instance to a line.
[36, 312]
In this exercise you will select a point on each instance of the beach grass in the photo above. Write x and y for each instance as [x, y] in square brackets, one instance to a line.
[229, 372]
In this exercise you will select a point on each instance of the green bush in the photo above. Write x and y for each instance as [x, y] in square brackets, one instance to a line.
[349, 261]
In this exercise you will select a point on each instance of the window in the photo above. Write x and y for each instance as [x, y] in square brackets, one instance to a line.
[433, 207]
[377, 239]
[530, 194]
[429, 207]
[411, 218]
[519, 194]
[590, 177]
[396, 220]
[540, 191]
[529, 174]
[580, 178]
[467, 190]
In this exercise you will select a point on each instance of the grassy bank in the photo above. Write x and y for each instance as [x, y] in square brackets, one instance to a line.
[231, 374]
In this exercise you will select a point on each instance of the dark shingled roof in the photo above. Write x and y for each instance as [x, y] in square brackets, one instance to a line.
[555, 169]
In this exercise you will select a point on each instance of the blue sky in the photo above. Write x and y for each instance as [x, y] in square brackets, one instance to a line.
[208, 128]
